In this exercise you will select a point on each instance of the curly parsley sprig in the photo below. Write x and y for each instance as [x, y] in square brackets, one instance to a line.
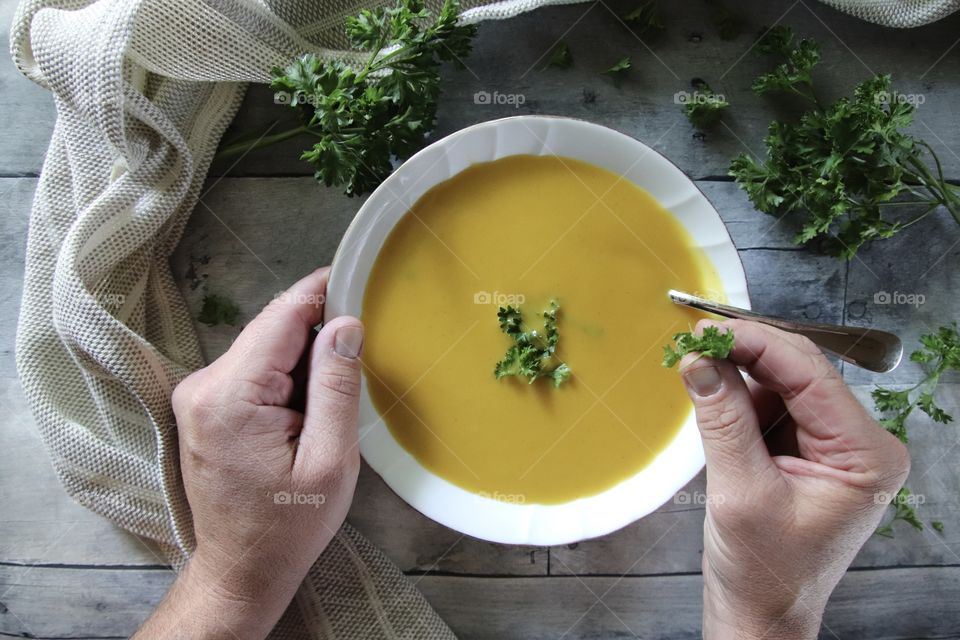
[712, 344]
[940, 352]
[533, 354]
[364, 117]
[848, 169]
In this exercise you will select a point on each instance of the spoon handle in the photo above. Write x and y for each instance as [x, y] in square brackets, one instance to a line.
[870, 349]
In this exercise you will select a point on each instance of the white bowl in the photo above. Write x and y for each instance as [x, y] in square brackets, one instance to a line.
[437, 498]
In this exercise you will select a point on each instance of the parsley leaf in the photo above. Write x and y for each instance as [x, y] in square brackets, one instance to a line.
[645, 18]
[729, 23]
[795, 74]
[703, 107]
[533, 354]
[843, 168]
[712, 344]
[903, 511]
[776, 40]
[218, 310]
[560, 56]
[619, 71]
[362, 117]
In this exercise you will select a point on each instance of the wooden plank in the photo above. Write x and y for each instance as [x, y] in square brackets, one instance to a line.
[907, 285]
[40, 523]
[890, 604]
[43, 602]
[880, 605]
[28, 111]
[644, 107]
[16, 196]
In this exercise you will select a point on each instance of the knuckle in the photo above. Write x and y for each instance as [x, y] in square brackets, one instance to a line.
[892, 465]
[191, 398]
[806, 344]
[899, 467]
[340, 382]
[719, 419]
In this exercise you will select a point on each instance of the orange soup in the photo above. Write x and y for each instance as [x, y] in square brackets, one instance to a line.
[526, 230]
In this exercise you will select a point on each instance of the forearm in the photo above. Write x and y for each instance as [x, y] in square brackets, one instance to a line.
[202, 605]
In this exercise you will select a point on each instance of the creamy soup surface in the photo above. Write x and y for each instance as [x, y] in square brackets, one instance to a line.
[542, 228]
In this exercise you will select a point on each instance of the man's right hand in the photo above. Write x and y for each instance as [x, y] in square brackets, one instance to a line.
[798, 477]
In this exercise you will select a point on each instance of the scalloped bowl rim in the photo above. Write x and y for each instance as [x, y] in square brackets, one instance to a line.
[485, 517]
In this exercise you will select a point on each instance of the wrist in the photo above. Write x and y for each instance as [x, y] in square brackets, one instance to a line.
[233, 599]
[722, 620]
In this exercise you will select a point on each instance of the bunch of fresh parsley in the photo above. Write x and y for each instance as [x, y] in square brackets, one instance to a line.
[533, 355]
[712, 344]
[363, 118]
[848, 169]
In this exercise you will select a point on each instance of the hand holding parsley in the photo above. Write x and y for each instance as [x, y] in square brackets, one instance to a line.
[784, 496]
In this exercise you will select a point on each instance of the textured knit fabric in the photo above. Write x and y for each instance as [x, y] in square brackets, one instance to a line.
[897, 13]
[144, 90]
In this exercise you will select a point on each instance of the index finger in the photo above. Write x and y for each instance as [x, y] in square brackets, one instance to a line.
[277, 337]
[812, 389]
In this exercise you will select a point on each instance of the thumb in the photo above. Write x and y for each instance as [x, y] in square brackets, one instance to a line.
[333, 391]
[728, 423]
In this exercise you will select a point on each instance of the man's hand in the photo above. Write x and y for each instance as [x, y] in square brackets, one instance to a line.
[268, 484]
[797, 476]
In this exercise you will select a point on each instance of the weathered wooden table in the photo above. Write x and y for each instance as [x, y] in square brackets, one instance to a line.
[66, 573]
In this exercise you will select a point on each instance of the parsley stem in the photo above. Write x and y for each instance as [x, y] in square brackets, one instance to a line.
[239, 148]
[937, 187]
[923, 215]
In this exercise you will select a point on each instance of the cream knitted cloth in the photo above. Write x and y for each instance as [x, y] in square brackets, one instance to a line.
[144, 90]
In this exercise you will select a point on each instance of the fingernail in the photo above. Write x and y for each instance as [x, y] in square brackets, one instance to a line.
[348, 341]
[705, 381]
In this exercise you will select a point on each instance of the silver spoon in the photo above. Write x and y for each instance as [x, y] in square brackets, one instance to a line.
[868, 348]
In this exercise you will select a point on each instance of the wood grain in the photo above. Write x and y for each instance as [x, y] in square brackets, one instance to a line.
[63, 603]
